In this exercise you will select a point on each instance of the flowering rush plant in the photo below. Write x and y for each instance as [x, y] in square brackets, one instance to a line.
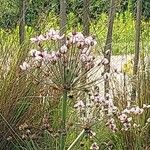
[67, 66]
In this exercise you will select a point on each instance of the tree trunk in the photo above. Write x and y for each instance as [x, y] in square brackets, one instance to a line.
[108, 44]
[63, 18]
[137, 46]
[22, 11]
[86, 21]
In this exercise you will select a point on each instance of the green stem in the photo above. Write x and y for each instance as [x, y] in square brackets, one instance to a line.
[76, 140]
[64, 108]
[64, 115]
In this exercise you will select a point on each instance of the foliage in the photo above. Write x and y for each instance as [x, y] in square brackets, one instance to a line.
[35, 8]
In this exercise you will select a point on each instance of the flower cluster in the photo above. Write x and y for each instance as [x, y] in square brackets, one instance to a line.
[87, 110]
[111, 124]
[125, 117]
[80, 40]
[86, 44]
[44, 56]
[134, 110]
[75, 55]
[125, 120]
[50, 35]
[96, 107]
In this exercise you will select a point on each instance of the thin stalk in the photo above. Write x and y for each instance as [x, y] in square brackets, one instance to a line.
[64, 115]
[76, 140]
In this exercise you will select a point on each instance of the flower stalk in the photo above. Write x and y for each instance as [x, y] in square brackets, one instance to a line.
[76, 140]
[64, 113]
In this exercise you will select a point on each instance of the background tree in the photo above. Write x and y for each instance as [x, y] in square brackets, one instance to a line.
[22, 10]
[108, 43]
[137, 45]
[86, 15]
[63, 17]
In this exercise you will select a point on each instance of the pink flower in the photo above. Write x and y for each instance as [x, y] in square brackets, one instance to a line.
[90, 41]
[36, 54]
[54, 35]
[111, 124]
[126, 125]
[89, 65]
[63, 49]
[136, 110]
[90, 58]
[126, 111]
[83, 51]
[79, 105]
[83, 58]
[53, 54]
[146, 106]
[79, 37]
[105, 61]
[38, 38]
[24, 66]
[53, 57]
[123, 117]
[45, 55]
[52, 32]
